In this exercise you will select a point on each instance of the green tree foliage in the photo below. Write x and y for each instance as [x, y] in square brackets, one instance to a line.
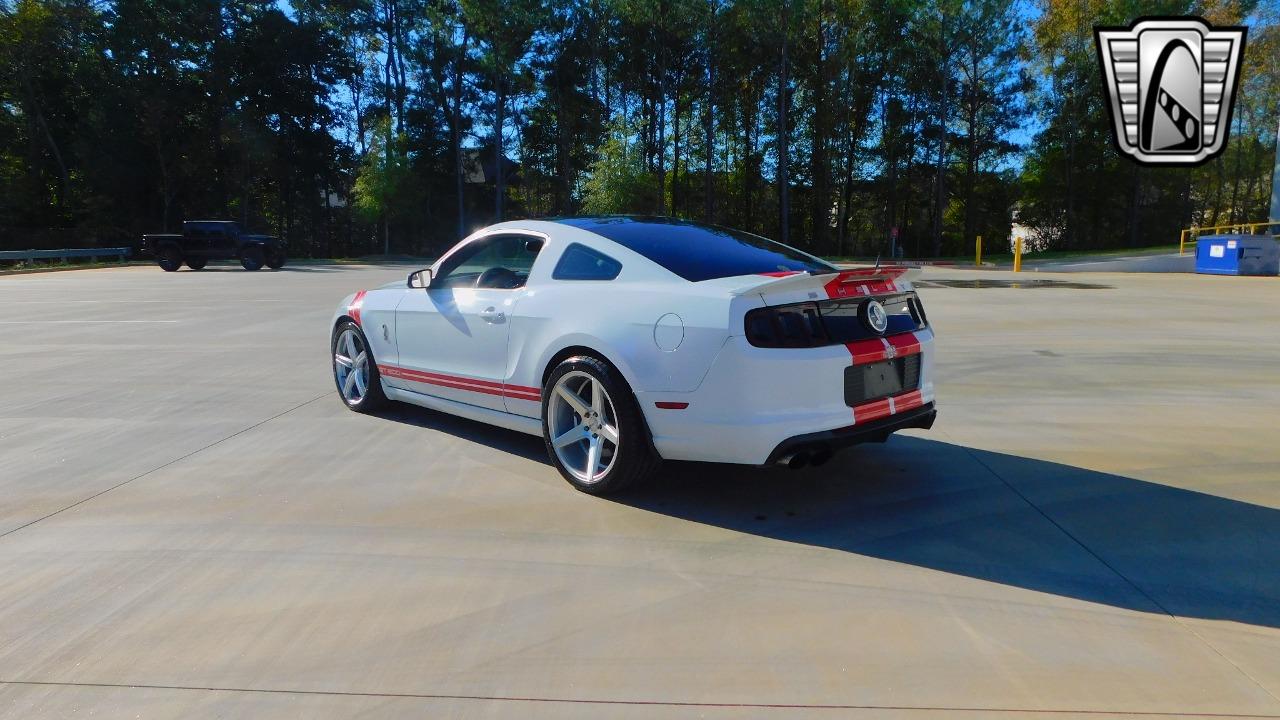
[356, 126]
[619, 181]
[385, 189]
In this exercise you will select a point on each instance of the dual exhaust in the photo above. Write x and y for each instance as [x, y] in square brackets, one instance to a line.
[814, 456]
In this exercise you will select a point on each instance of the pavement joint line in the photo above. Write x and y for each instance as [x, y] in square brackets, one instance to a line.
[1119, 574]
[161, 467]
[94, 322]
[648, 703]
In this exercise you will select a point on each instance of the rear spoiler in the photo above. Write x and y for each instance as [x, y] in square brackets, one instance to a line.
[858, 281]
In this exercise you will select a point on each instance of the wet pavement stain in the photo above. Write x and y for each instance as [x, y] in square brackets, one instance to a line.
[981, 284]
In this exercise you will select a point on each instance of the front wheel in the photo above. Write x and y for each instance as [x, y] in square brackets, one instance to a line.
[169, 259]
[196, 263]
[355, 371]
[594, 431]
[251, 258]
[275, 260]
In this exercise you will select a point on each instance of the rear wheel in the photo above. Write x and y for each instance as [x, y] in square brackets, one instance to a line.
[251, 258]
[593, 429]
[169, 258]
[196, 263]
[275, 260]
[355, 371]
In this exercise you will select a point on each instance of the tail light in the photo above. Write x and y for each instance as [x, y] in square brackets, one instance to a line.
[829, 322]
[789, 326]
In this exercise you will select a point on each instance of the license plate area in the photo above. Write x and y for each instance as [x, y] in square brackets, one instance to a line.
[873, 381]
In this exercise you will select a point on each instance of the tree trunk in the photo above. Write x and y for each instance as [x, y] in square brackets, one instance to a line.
[819, 163]
[459, 182]
[661, 139]
[939, 182]
[498, 154]
[971, 156]
[708, 125]
[784, 138]
[675, 154]
[1235, 181]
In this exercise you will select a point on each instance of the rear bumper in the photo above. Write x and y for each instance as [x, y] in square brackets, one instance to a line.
[754, 400]
[876, 431]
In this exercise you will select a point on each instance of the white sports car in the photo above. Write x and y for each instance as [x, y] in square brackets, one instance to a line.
[623, 341]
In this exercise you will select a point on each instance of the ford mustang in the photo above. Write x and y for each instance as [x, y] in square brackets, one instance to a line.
[623, 341]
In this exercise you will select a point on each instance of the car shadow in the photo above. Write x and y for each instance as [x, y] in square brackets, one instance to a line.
[1012, 520]
[508, 441]
[1017, 521]
[286, 269]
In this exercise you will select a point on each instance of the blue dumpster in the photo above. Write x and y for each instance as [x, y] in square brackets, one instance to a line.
[1237, 255]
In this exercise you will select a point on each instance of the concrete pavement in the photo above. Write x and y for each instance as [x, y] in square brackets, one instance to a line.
[191, 525]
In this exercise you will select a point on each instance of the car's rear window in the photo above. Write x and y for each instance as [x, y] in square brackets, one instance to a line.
[700, 252]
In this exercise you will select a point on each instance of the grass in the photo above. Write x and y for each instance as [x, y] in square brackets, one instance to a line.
[37, 266]
[1007, 257]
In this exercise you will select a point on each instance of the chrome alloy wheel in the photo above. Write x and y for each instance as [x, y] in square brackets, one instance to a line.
[583, 426]
[351, 366]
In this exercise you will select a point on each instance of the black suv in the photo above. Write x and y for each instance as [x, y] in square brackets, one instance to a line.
[205, 240]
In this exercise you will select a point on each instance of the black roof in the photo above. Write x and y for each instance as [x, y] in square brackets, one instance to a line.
[696, 251]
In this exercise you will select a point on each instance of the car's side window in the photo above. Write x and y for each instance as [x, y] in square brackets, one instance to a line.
[579, 262]
[501, 261]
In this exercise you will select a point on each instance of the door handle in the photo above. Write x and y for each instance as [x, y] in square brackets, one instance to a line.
[491, 314]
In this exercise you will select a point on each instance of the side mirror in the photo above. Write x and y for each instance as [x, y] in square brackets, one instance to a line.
[420, 278]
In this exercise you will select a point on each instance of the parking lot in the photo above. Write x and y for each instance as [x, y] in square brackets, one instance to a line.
[192, 525]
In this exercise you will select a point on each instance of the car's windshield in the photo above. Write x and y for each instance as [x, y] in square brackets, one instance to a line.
[701, 252]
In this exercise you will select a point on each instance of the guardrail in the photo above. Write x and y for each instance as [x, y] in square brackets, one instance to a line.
[1190, 235]
[66, 254]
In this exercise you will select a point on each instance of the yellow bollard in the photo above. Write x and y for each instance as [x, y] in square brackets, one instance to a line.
[977, 252]
[1017, 255]
[1182, 243]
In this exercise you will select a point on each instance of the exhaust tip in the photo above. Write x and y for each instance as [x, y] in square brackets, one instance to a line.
[794, 461]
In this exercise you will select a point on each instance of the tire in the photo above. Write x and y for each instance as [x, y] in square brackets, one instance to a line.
[276, 260]
[196, 263]
[252, 258]
[169, 258]
[372, 397]
[632, 459]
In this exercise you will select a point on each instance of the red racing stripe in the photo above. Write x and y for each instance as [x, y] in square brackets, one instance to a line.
[487, 387]
[908, 401]
[876, 281]
[354, 308]
[867, 351]
[872, 411]
[904, 343]
[864, 281]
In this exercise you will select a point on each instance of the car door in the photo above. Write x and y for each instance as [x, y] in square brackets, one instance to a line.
[226, 240]
[452, 335]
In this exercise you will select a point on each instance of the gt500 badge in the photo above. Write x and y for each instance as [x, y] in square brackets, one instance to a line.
[1171, 83]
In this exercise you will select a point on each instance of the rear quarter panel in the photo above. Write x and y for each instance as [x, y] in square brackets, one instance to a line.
[617, 319]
